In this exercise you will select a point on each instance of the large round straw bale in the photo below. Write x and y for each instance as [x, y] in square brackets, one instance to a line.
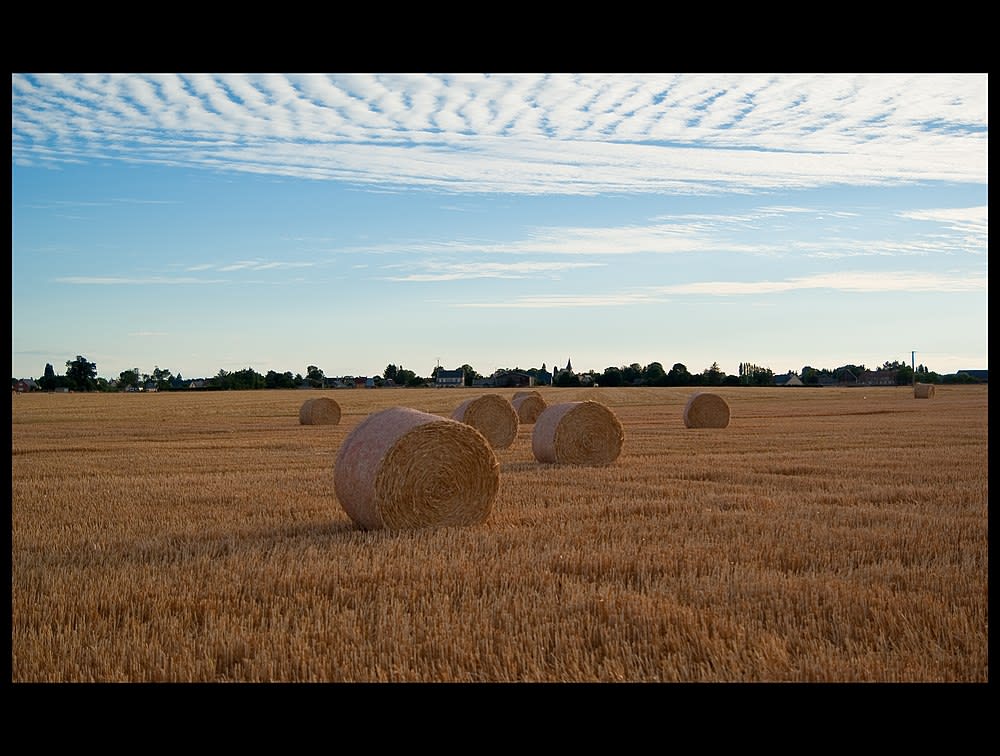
[705, 410]
[492, 415]
[923, 391]
[528, 407]
[577, 433]
[321, 410]
[401, 468]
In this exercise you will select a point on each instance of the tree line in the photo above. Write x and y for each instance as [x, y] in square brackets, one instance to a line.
[81, 375]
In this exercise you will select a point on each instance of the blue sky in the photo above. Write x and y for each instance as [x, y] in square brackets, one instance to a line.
[198, 223]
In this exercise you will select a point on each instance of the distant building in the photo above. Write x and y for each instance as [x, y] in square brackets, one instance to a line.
[556, 372]
[449, 378]
[788, 380]
[513, 379]
[878, 378]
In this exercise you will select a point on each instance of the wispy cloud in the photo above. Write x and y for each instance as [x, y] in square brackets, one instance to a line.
[136, 281]
[255, 265]
[852, 281]
[972, 221]
[565, 300]
[526, 133]
[448, 271]
[858, 282]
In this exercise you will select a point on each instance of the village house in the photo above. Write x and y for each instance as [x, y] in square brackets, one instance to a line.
[788, 380]
[877, 378]
[449, 378]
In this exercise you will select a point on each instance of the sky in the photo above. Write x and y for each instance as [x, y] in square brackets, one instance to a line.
[195, 223]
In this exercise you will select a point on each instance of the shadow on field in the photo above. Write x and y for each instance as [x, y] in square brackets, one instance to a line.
[243, 545]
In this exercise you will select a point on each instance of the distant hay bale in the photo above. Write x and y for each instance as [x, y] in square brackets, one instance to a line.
[519, 394]
[401, 468]
[705, 410]
[319, 411]
[528, 407]
[492, 415]
[577, 433]
[923, 391]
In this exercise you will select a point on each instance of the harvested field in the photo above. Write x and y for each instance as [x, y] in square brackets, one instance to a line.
[827, 535]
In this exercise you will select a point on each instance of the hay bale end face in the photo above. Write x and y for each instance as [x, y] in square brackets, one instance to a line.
[577, 433]
[402, 468]
[528, 407]
[492, 415]
[705, 410]
[319, 411]
[923, 391]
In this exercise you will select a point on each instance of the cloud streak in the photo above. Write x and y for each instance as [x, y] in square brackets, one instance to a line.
[523, 133]
[851, 281]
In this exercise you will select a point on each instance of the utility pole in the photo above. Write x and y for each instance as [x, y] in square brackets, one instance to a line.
[913, 369]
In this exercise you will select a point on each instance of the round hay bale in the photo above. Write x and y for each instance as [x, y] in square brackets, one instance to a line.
[402, 468]
[519, 394]
[321, 410]
[577, 433]
[528, 407]
[923, 391]
[492, 415]
[705, 410]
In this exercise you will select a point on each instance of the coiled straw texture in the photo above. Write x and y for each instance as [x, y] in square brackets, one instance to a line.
[577, 433]
[319, 411]
[528, 407]
[705, 410]
[492, 415]
[923, 391]
[402, 469]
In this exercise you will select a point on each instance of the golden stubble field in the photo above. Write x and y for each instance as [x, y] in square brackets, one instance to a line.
[826, 535]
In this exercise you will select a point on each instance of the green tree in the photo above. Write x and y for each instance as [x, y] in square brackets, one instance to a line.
[904, 375]
[469, 375]
[654, 375]
[631, 374]
[712, 376]
[567, 379]
[222, 380]
[611, 376]
[314, 376]
[82, 373]
[274, 379]
[48, 380]
[678, 375]
[247, 378]
[958, 378]
[128, 379]
[390, 372]
[162, 377]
